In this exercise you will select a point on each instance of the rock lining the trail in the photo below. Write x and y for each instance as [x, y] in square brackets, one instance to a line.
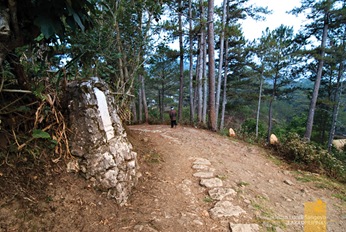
[211, 183]
[226, 209]
[204, 174]
[220, 193]
[288, 182]
[222, 208]
[202, 161]
[244, 227]
[200, 167]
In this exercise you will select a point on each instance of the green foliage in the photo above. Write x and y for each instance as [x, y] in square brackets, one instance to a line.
[208, 199]
[45, 19]
[279, 132]
[223, 132]
[39, 91]
[244, 108]
[40, 134]
[341, 196]
[340, 155]
[154, 116]
[249, 128]
[297, 125]
[311, 157]
[53, 16]
[242, 183]
[153, 158]
[186, 116]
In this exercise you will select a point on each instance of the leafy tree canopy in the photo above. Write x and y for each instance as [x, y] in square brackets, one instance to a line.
[30, 18]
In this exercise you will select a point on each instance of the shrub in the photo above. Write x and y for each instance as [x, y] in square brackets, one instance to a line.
[249, 127]
[312, 157]
[297, 124]
[248, 131]
[224, 132]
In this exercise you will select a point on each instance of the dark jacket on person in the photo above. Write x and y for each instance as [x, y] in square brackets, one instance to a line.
[173, 114]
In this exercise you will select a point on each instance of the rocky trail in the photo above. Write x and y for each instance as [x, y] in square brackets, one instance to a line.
[205, 182]
[192, 180]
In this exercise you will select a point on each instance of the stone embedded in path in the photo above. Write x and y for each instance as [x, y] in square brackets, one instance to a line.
[190, 219]
[244, 227]
[287, 198]
[185, 187]
[247, 201]
[202, 161]
[226, 209]
[198, 222]
[288, 182]
[145, 227]
[211, 183]
[204, 174]
[200, 167]
[220, 193]
[278, 229]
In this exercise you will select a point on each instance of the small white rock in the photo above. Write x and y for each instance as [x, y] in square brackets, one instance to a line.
[288, 182]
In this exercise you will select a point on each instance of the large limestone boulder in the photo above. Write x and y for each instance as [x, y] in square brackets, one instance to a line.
[231, 132]
[273, 139]
[339, 144]
[98, 139]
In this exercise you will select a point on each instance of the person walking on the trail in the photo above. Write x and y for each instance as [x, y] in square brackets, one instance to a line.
[173, 116]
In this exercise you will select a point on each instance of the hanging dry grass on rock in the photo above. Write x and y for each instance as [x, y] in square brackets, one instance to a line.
[55, 123]
[33, 121]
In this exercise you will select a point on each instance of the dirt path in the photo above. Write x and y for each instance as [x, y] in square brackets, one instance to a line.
[180, 190]
[266, 194]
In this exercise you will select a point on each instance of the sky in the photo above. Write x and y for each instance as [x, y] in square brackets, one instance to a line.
[253, 29]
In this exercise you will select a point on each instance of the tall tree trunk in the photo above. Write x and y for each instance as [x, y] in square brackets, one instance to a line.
[259, 103]
[195, 94]
[270, 122]
[201, 70]
[205, 80]
[121, 80]
[198, 91]
[339, 88]
[270, 114]
[181, 63]
[224, 95]
[312, 107]
[201, 65]
[192, 108]
[198, 84]
[134, 112]
[205, 83]
[140, 105]
[13, 39]
[18, 71]
[222, 37]
[211, 66]
[145, 105]
[160, 105]
[163, 92]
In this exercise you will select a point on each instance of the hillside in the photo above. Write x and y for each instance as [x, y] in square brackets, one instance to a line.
[175, 192]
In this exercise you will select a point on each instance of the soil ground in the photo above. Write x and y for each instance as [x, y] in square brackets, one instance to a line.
[168, 197]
